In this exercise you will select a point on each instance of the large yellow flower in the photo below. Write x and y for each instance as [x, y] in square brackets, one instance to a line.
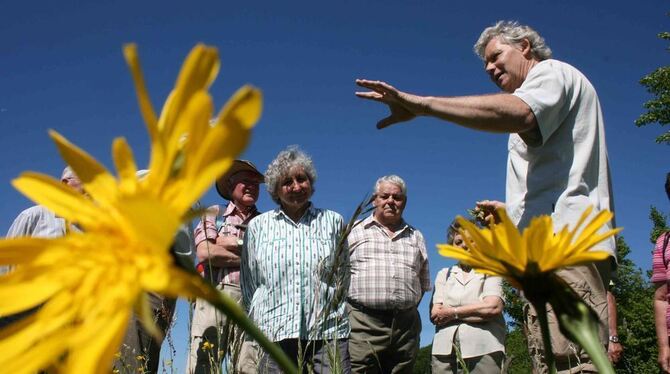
[523, 258]
[88, 282]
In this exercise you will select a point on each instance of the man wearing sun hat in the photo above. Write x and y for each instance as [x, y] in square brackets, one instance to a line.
[218, 239]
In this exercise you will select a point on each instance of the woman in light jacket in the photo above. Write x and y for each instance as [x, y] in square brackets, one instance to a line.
[467, 311]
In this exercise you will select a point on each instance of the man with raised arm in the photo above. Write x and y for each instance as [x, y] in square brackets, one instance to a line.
[557, 163]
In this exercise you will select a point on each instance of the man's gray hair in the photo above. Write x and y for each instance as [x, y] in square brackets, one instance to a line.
[68, 173]
[393, 179]
[512, 33]
[280, 167]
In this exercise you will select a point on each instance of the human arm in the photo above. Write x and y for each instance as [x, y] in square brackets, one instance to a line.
[660, 310]
[501, 113]
[222, 252]
[614, 349]
[217, 250]
[488, 308]
[248, 268]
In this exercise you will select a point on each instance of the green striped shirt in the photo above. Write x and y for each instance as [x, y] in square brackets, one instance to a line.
[287, 275]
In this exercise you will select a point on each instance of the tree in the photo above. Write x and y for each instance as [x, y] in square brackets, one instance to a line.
[658, 108]
[422, 364]
[634, 295]
[660, 222]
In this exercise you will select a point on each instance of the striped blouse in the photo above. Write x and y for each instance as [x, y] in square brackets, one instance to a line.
[286, 272]
[660, 267]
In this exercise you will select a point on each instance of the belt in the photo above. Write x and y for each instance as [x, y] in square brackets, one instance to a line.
[379, 312]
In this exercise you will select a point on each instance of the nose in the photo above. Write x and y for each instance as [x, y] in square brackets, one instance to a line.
[490, 68]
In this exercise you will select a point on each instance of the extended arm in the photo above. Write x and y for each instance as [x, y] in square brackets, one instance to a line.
[501, 113]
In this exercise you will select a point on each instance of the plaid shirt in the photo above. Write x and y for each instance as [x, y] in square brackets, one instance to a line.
[223, 222]
[387, 272]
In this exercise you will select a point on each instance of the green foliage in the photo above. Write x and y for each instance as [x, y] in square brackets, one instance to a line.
[422, 365]
[636, 329]
[518, 359]
[513, 306]
[658, 108]
[659, 222]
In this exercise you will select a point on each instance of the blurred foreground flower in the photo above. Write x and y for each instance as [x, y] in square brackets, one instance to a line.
[529, 260]
[87, 283]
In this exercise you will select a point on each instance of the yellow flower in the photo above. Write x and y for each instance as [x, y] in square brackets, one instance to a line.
[522, 258]
[88, 282]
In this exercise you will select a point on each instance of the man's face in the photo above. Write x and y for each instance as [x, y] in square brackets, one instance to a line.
[507, 65]
[244, 188]
[389, 203]
[74, 183]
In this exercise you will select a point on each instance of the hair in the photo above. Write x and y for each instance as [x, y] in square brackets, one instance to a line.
[452, 230]
[68, 173]
[512, 33]
[393, 179]
[282, 164]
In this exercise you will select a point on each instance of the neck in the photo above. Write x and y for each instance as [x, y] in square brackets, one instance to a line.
[243, 209]
[295, 213]
[389, 225]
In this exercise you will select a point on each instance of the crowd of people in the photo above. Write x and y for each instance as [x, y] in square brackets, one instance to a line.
[351, 305]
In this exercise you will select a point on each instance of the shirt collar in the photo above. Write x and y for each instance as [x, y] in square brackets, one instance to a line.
[309, 213]
[232, 209]
[372, 221]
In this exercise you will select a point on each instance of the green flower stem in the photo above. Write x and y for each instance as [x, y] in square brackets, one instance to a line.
[580, 324]
[230, 308]
[549, 359]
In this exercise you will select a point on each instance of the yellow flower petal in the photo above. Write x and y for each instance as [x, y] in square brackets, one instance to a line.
[60, 199]
[501, 250]
[96, 179]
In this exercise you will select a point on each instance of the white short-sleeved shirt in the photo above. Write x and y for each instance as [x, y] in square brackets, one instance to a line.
[476, 339]
[569, 170]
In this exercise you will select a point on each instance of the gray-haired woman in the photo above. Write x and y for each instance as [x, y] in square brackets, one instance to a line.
[291, 273]
[467, 311]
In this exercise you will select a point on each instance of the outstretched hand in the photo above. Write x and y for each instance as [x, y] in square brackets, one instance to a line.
[399, 103]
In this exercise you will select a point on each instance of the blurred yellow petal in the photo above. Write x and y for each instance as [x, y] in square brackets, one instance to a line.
[125, 165]
[147, 110]
[519, 257]
[59, 198]
[97, 181]
[244, 107]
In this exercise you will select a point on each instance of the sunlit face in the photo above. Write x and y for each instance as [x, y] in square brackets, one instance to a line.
[507, 65]
[389, 203]
[244, 190]
[74, 183]
[459, 242]
[295, 189]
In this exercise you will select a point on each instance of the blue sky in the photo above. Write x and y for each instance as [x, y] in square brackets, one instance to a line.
[63, 69]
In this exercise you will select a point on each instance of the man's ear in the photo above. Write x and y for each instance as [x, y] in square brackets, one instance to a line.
[526, 48]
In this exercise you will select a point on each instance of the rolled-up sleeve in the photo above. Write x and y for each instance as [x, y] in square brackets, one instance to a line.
[206, 227]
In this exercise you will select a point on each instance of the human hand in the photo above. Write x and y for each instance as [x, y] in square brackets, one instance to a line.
[434, 312]
[485, 211]
[664, 359]
[614, 352]
[399, 103]
[230, 243]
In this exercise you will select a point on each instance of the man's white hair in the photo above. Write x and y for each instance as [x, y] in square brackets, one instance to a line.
[512, 33]
[393, 179]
